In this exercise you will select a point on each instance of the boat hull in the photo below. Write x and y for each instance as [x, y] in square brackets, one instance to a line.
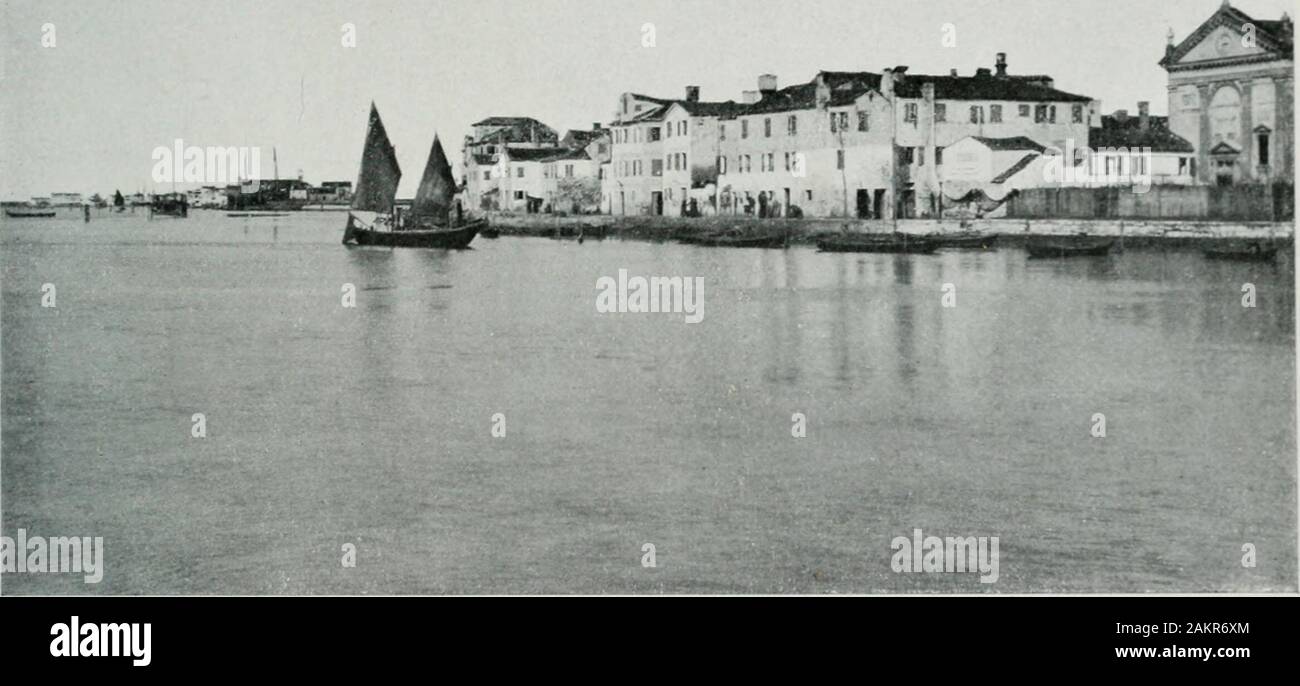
[29, 214]
[966, 241]
[1068, 247]
[1248, 253]
[878, 243]
[741, 241]
[457, 238]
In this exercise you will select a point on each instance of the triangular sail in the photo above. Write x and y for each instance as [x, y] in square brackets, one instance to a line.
[377, 182]
[437, 187]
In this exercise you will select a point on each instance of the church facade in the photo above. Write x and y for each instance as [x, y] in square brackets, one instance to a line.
[1230, 94]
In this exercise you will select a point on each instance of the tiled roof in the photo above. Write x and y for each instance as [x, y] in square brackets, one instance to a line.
[1127, 132]
[1011, 143]
[530, 154]
[578, 154]
[847, 86]
[507, 121]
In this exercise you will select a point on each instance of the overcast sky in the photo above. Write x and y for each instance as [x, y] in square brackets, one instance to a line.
[126, 77]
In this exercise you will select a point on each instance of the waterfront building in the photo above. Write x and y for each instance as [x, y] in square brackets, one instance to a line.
[482, 153]
[1125, 149]
[66, 199]
[979, 173]
[1230, 85]
[665, 155]
[836, 146]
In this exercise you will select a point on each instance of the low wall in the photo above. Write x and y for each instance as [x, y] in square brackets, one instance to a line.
[1132, 232]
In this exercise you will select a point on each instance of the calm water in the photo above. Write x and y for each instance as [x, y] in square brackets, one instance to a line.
[371, 425]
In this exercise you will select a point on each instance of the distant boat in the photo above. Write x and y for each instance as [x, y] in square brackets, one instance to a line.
[967, 240]
[1068, 246]
[169, 205]
[1249, 251]
[428, 224]
[29, 212]
[878, 242]
[257, 214]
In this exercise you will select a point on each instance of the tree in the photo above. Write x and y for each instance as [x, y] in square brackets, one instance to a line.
[578, 193]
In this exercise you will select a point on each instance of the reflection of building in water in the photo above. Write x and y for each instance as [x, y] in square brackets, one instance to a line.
[1230, 94]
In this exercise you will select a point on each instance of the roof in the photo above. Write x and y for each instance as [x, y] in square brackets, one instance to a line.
[571, 154]
[1015, 168]
[507, 121]
[584, 136]
[847, 86]
[1127, 132]
[530, 154]
[1011, 143]
[515, 130]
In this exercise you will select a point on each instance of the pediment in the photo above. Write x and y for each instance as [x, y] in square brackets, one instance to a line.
[1229, 37]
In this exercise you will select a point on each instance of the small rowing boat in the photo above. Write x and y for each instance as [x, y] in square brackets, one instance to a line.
[1249, 251]
[1068, 246]
[878, 242]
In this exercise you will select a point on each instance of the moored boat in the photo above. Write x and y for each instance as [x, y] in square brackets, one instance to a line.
[1248, 251]
[966, 240]
[738, 239]
[29, 212]
[877, 242]
[1068, 246]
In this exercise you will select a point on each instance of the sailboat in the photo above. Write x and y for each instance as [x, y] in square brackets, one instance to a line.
[428, 224]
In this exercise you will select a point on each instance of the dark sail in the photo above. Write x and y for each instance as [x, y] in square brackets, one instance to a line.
[377, 183]
[437, 187]
[118, 200]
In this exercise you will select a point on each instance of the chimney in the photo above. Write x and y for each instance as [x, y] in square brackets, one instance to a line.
[887, 83]
[692, 94]
[1001, 64]
[749, 97]
[767, 83]
[927, 92]
[1144, 118]
[1121, 116]
[952, 72]
[983, 73]
[595, 126]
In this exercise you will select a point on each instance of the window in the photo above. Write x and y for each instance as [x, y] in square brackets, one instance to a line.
[748, 164]
[839, 159]
[995, 114]
[656, 167]
[905, 156]
[568, 171]
[1076, 114]
[1040, 114]
[683, 161]
[938, 155]
[767, 127]
[940, 112]
[808, 195]
[519, 195]
[909, 112]
[722, 132]
[792, 125]
[864, 122]
[976, 114]
[920, 157]
[744, 128]
[787, 161]
[1024, 110]
[1051, 114]
[834, 123]
[771, 161]
[1262, 142]
[519, 172]
[844, 121]
[487, 175]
